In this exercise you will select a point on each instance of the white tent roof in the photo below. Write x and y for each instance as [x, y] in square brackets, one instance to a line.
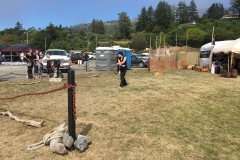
[227, 48]
[207, 47]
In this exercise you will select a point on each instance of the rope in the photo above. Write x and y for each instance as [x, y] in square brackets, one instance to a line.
[55, 133]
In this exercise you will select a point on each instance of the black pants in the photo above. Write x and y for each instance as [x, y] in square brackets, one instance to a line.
[123, 81]
[29, 71]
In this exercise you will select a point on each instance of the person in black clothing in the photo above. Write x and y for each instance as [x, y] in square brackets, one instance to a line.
[86, 61]
[30, 59]
[123, 69]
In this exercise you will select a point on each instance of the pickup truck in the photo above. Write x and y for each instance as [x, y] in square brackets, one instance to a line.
[57, 54]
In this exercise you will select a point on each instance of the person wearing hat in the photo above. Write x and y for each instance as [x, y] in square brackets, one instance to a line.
[123, 69]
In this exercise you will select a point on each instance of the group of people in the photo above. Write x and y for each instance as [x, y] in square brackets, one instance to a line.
[34, 61]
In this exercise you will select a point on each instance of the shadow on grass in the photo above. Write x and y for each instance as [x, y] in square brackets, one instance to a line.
[86, 129]
[6, 79]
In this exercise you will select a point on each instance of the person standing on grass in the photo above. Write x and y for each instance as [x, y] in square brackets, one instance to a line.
[30, 59]
[36, 61]
[123, 69]
[86, 61]
[48, 58]
[40, 68]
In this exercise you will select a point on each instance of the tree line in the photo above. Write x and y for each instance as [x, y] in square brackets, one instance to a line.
[165, 25]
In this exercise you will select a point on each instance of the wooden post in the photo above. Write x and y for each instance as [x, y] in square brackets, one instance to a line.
[210, 56]
[71, 120]
[231, 60]
[149, 57]
[164, 41]
[176, 39]
[160, 49]
[228, 61]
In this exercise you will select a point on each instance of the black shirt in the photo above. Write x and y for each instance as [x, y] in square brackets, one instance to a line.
[30, 57]
[85, 57]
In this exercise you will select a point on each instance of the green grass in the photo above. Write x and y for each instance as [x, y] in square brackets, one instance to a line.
[183, 114]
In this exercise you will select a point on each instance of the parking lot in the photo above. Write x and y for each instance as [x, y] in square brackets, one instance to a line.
[22, 70]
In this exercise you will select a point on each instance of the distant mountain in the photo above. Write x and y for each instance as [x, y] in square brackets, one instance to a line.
[109, 26]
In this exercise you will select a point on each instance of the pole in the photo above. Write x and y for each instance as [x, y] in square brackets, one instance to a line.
[96, 40]
[71, 120]
[27, 37]
[149, 60]
[88, 44]
[164, 41]
[160, 35]
[45, 44]
[176, 39]
[156, 43]
[210, 56]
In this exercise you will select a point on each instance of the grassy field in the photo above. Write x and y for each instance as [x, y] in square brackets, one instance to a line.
[184, 114]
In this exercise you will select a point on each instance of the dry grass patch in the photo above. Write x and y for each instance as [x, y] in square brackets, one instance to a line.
[182, 115]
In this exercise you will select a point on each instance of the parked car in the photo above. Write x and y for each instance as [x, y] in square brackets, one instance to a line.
[57, 54]
[92, 56]
[75, 57]
[139, 60]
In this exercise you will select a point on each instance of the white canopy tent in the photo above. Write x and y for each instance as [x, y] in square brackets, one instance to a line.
[228, 48]
[207, 47]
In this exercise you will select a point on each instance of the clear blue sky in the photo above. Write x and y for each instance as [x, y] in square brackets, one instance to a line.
[39, 13]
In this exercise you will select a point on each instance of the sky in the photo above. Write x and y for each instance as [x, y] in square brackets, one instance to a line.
[40, 13]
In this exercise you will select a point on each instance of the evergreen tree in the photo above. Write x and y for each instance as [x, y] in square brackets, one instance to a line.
[97, 27]
[174, 8]
[93, 26]
[182, 12]
[124, 25]
[18, 26]
[215, 11]
[139, 41]
[150, 19]
[142, 20]
[192, 11]
[235, 6]
[51, 31]
[100, 27]
[163, 15]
